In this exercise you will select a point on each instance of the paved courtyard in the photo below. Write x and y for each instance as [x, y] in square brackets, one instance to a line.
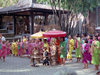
[20, 66]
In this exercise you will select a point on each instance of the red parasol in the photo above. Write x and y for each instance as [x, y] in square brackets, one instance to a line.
[54, 33]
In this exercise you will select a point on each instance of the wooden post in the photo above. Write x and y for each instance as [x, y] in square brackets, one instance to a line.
[31, 20]
[46, 19]
[33, 1]
[97, 16]
[0, 22]
[14, 24]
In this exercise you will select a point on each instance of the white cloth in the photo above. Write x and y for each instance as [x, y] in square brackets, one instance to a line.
[3, 38]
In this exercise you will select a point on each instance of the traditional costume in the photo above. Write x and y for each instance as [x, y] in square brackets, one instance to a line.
[71, 47]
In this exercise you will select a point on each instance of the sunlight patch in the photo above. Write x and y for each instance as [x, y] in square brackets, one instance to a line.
[16, 70]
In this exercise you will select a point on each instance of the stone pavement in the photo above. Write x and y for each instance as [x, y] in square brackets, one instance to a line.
[20, 66]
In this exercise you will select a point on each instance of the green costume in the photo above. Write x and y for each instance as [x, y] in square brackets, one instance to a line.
[95, 56]
[0, 45]
[78, 52]
[62, 52]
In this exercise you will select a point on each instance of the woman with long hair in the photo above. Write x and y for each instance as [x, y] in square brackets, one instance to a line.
[70, 48]
[95, 52]
[62, 50]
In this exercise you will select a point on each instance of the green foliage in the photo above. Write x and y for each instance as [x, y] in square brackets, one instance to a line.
[5, 3]
[76, 6]
[43, 1]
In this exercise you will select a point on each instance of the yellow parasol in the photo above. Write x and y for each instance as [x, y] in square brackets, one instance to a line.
[37, 35]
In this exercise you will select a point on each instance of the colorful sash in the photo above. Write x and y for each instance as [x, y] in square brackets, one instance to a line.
[83, 47]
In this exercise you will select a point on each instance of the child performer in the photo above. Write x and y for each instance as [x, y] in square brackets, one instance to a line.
[4, 50]
[71, 47]
[85, 53]
[34, 56]
[45, 56]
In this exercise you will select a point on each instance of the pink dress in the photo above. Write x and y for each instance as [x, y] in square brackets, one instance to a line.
[41, 46]
[30, 48]
[8, 49]
[4, 50]
[26, 47]
[90, 42]
[86, 54]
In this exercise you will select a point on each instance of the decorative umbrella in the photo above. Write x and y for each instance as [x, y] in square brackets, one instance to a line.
[37, 35]
[54, 33]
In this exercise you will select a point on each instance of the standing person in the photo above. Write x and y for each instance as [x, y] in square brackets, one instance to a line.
[26, 43]
[14, 48]
[18, 48]
[4, 50]
[24, 39]
[58, 53]
[46, 44]
[41, 45]
[99, 48]
[8, 48]
[34, 56]
[90, 40]
[0, 48]
[62, 50]
[66, 42]
[78, 46]
[30, 47]
[84, 35]
[40, 49]
[53, 53]
[45, 57]
[95, 52]
[85, 53]
[70, 47]
[22, 47]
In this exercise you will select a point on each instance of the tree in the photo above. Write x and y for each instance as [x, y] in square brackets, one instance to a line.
[5, 3]
[75, 6]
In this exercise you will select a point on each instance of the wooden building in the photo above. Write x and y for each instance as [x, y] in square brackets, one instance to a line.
[94, 19]
[24, 11]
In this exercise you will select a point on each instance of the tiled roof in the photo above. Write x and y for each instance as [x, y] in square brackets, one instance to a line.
[24, 5]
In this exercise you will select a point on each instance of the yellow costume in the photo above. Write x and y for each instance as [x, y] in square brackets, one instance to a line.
[14, 48]
[47, 46]
[24, 40]
[71, 47]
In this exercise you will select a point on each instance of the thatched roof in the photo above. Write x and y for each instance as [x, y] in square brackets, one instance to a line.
[25, 5]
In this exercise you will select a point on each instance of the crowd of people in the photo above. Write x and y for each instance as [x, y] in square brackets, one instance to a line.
[54, 51]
